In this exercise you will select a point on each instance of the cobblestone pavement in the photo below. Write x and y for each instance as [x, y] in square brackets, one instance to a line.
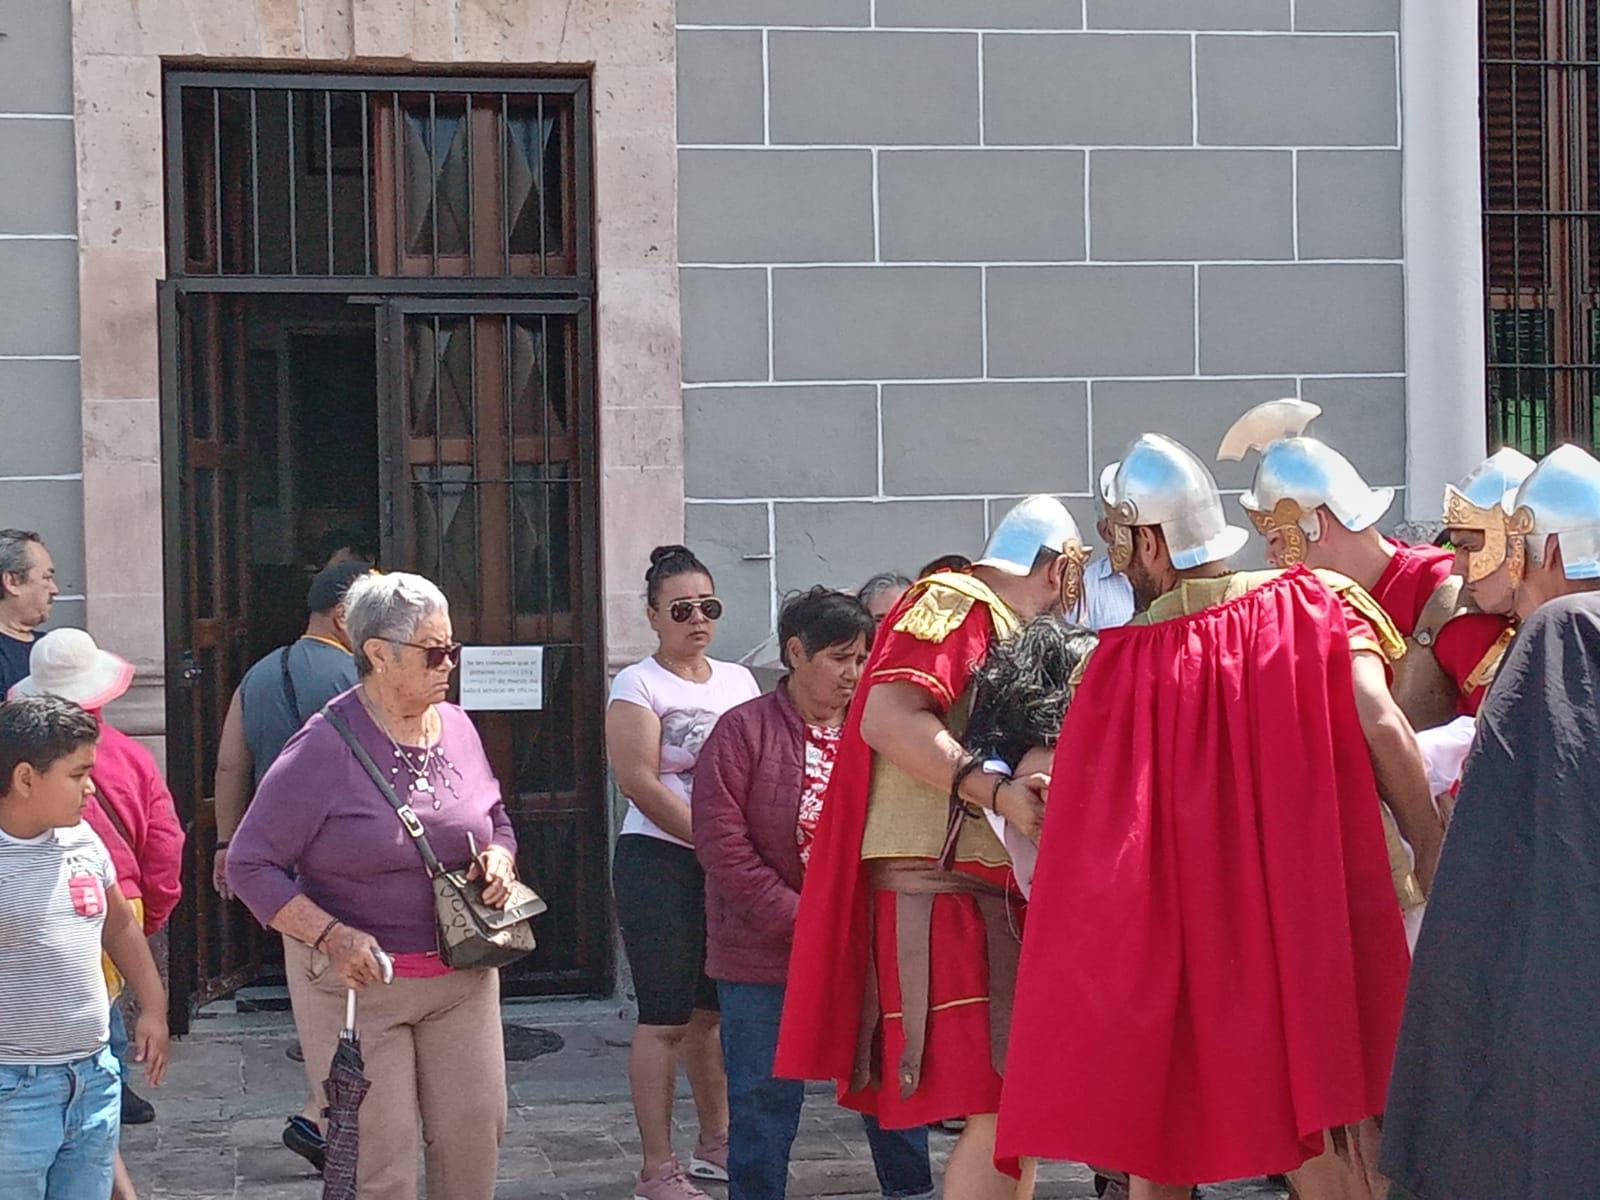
[571, 1133]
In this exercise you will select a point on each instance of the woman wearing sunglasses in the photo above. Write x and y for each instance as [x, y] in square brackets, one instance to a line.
[662, 710]
[323, 858]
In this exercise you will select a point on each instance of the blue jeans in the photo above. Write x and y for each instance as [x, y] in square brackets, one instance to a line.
[58, 1129]
[119, 1037]
[764, 1113]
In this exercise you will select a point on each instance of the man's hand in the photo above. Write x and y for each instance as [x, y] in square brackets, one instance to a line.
[219, 874]
[1021, 802]
[151, 1045]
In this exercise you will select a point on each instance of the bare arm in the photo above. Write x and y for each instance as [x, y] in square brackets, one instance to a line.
[123, 940]
[235, 768]
[902, 722]
[633, 743]
[350, 950]
[1397, 763]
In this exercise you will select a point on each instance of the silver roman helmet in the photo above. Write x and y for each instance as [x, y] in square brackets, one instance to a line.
[1562, 496]
[1297, 476]
[1038, 523]
[1483, 502]
[1160, 482]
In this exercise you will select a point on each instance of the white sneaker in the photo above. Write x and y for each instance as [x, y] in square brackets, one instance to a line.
[710, 1160]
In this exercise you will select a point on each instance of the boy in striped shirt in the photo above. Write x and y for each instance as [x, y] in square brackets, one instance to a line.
[60, 1086]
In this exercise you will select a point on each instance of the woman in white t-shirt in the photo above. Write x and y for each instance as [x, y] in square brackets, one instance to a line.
[662, 710]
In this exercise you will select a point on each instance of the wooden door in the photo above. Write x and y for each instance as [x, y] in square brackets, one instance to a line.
[489, 463]
[216, 945]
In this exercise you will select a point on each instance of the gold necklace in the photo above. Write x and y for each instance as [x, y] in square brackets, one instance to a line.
[683, 669]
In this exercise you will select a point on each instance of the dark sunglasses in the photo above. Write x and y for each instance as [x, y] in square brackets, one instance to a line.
[437, 656]
[682, 610]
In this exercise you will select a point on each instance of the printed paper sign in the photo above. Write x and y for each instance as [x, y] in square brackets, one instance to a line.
[502, 678]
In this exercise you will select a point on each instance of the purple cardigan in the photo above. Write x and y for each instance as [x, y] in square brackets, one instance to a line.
[747, 788]
[319, 827]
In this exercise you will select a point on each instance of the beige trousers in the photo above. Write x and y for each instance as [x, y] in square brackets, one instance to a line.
[436, 1058]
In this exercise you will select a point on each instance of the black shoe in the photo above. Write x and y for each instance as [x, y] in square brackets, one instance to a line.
[295, 1053]
[136, 1110]
[301, 1136]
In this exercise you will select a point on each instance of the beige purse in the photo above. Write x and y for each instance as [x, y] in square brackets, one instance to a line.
[472, 935]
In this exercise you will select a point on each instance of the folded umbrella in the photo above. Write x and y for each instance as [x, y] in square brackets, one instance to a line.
[346, 1087]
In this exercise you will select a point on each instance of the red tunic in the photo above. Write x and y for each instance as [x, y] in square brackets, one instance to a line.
[827, 972]
[1412, 576]
[1215, 965]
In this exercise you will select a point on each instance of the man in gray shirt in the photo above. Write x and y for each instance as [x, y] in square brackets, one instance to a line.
[276, 696]
[274, 699]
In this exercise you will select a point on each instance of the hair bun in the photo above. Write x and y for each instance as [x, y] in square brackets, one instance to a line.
[661, 553]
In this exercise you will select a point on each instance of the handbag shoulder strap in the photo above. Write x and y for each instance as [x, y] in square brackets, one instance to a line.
[116, 820]
[407, 816]
[288, 685]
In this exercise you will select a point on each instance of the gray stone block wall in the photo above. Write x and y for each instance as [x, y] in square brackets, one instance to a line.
[41, 424]
[937, 254]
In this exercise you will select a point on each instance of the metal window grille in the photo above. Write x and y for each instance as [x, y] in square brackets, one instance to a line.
[341, 177]
[461, 208]
[1540, 113]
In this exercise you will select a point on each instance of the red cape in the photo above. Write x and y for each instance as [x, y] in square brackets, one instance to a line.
[1214, 965]
[828, 964]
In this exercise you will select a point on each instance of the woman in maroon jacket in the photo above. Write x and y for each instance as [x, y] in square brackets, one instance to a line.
[758, 792]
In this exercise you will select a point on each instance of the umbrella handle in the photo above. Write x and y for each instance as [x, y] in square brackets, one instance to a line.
[386, 966]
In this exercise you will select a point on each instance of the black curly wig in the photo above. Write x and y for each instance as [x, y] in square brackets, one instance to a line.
[1021, 691]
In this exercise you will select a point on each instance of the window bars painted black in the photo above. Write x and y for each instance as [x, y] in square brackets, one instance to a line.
[1540, 66]
[338, 177]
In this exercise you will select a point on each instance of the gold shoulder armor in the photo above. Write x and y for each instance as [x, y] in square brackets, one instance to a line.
[1352, 593]
[937, 613]
[944, 603]
[1489, 665]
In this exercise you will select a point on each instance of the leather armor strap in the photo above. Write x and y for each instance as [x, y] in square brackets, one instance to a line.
[1445, 604]
[916, 884]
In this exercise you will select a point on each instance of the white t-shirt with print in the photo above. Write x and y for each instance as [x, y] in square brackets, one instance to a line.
[688, 712]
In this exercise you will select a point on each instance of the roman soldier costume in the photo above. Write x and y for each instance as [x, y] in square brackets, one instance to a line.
[1451, 648]
[906, 942]
[1215, 963]
[1479, 504]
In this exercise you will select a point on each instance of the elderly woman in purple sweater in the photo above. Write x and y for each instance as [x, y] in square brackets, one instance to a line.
[322, 858]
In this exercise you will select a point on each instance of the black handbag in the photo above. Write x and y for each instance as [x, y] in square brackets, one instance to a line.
[472, 934]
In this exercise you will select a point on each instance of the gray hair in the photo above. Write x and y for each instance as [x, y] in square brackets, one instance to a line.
[389, 607]
[14, 550]
[884, 581]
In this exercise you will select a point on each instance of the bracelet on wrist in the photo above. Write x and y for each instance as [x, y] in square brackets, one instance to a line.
[994, 796]
[323, 936]
[223, 844]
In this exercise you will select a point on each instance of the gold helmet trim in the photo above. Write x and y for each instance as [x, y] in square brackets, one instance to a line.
[1502, 536]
